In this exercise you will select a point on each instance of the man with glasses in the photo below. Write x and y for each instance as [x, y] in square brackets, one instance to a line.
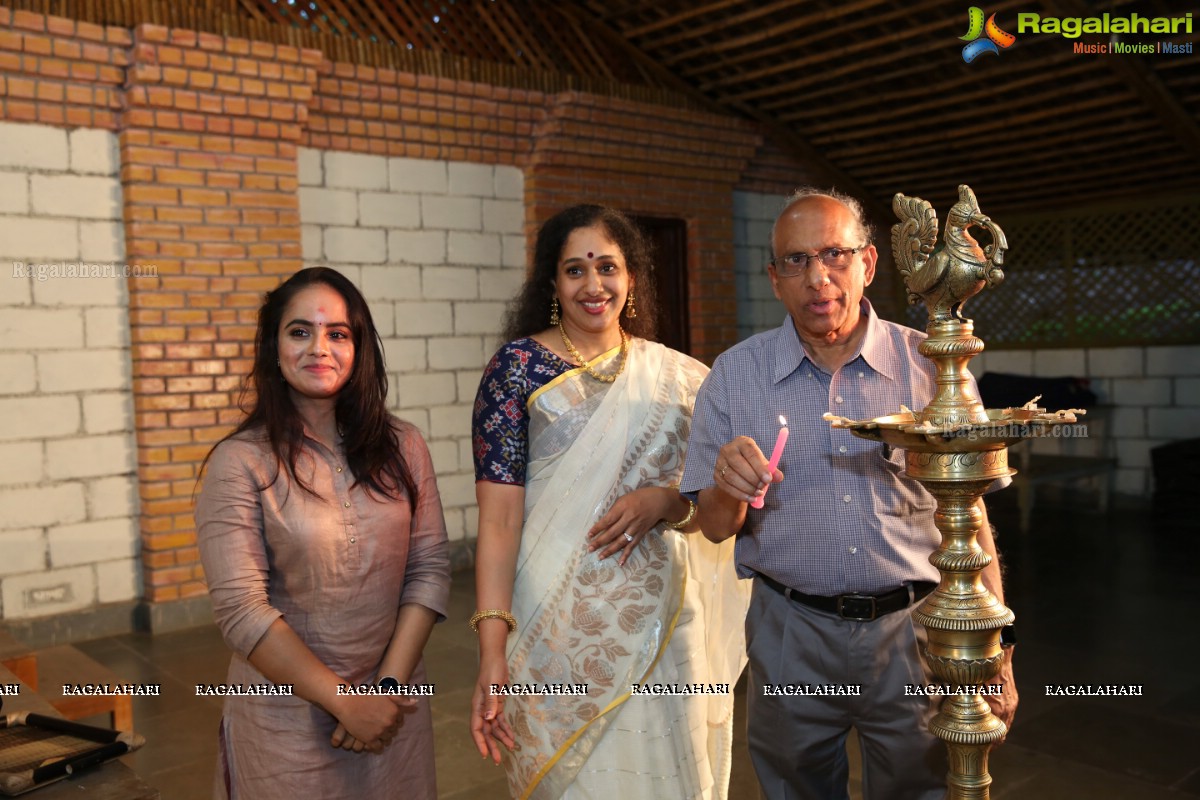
[839, 552]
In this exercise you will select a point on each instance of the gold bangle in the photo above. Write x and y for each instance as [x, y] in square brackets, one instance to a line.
[494, 613]
[683, 523]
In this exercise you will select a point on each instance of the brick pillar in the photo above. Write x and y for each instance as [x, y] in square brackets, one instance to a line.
[208, 166]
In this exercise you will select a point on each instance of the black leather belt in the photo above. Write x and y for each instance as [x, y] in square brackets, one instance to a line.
[857, 607]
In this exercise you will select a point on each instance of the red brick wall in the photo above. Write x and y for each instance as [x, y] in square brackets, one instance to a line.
[208, 155]
[384, 112]
[657, 162]
[209, 128]
[58, 71]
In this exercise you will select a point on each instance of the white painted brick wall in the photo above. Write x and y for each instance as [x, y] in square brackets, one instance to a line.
[24, 551]
[1187, 391]
[38, 417]
[445, 456]
[108, 326]
[513, 251]
[454, 255]
[479, 249]
[34, 239]
[500, 285]
[14, 193]
[79, 196]
[88, 542]
[388, 210]
[417, 176]
[354, 171]
[451, 422]
[455, 352]
[80, 291]
[82, 370]
[753, 215]
[102, 242]
[391, 283]
[429, 318]
[361, 245]
[1173, 361]
[1116, 362]
[310, 171]
[1014, 362]
[90, 456]
[68, 499]
[510, 183]
[417, 247]
[20, 373]
[34, 148]
[328, 206]
[36, 594]
[502, 216]
[1155, 391]
[118, 580]
[111, 497]
[1141, 391]
[40, 506]
[312, 246]
[450, 283]
[481, 318]
[1059, 362]
[476, 180]
[94, 152]
[451, 213]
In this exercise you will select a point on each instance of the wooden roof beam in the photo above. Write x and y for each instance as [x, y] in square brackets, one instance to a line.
[692, 32]
[773, 57]
[1011, 75]
[1145, 84]
[892, 124]
[796, 23]
[861, 158]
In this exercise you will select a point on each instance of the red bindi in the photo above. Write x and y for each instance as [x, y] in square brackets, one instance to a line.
[589, 254]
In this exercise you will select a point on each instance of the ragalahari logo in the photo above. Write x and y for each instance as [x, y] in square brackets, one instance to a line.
[996, 39]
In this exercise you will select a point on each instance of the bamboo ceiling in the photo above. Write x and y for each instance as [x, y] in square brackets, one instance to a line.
[875, 91]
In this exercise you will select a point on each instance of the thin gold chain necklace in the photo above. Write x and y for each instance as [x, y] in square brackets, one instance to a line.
[588, 367]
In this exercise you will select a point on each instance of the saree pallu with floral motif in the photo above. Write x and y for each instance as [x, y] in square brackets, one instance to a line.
[672, 615]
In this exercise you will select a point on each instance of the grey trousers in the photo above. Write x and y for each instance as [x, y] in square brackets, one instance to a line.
[798, 743]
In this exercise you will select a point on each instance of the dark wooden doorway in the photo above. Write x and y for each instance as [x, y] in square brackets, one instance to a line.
[667, 238]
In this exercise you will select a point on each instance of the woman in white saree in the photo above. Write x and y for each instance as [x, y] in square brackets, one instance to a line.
[586, 548]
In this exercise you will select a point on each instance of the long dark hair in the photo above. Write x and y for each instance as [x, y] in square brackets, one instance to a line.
[529, 311]
[372, 447]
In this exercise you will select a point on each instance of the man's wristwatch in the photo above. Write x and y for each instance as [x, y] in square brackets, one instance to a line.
[389, 683]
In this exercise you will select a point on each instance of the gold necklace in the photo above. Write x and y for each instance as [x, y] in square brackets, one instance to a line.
[588, 367]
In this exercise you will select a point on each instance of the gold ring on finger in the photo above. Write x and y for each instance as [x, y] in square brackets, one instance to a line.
[724, 469]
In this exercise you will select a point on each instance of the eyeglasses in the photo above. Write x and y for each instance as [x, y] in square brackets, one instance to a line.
[832, 257]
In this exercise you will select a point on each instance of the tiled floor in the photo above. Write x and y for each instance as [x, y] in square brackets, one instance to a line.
[1099, 599]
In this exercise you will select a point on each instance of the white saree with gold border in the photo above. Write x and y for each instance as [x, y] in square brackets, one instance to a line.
[672, 615]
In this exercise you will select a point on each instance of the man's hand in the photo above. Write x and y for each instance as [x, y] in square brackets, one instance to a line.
[741, 470]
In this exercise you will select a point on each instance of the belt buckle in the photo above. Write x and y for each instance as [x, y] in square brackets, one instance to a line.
[853, 606]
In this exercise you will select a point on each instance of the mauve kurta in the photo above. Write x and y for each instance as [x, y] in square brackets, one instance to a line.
[336, 568]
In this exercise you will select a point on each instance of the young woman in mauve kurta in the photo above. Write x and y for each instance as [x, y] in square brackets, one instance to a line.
[324, 546]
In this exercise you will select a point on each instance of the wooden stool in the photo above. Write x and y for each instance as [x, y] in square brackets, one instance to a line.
[66, 665]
